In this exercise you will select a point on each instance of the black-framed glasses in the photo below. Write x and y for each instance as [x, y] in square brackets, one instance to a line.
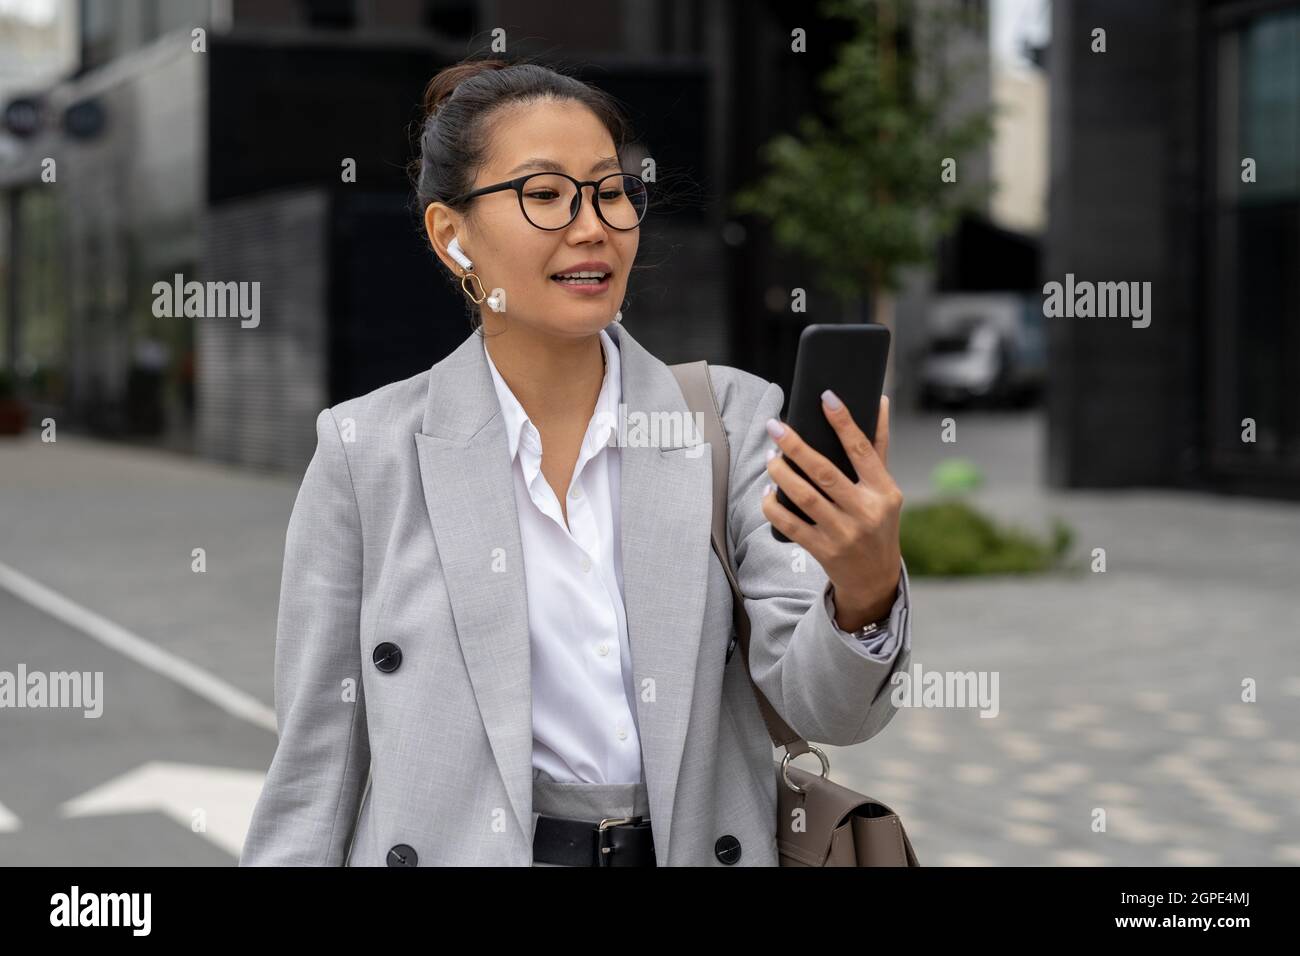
[551, 200]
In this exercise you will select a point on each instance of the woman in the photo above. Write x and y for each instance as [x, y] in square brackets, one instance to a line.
[487, 655]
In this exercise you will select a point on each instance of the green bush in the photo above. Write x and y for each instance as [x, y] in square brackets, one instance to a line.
[953, 538]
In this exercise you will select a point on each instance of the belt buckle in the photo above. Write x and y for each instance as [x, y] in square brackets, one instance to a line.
[605, 851]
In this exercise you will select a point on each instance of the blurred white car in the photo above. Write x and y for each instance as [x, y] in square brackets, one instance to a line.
[983, 350]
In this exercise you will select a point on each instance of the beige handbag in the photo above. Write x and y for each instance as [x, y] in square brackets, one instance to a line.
[838, 827]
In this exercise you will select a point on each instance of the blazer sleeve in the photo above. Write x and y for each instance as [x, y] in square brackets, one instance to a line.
[826, 690]
[308, 805]
[880, 644]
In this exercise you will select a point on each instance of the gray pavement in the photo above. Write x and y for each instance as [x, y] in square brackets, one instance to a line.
[1119, 692]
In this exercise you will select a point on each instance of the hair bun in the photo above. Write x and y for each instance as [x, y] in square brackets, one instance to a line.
[444, 84]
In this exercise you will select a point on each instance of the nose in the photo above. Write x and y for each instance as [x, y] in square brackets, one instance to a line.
[587, 220]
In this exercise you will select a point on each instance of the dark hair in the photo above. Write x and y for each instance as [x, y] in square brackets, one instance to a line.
[458, 106]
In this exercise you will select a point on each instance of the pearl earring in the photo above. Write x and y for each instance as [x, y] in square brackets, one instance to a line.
[618, 316]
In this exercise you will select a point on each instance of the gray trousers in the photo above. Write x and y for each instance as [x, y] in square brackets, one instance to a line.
[586, 801]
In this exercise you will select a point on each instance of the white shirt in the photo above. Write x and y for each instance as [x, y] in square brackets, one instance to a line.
[584, 712]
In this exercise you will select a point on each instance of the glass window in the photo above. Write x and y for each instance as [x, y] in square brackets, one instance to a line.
[5, 283]
[1254, 349]
[1270, 105]
[42, 306]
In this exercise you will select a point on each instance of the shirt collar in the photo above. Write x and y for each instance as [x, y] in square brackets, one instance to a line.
[604, 417]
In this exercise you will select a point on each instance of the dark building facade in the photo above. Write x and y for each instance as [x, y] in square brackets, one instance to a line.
[1175, 159]
[224, 165]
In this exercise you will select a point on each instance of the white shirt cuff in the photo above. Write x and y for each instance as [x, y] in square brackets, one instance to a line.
[879, 645]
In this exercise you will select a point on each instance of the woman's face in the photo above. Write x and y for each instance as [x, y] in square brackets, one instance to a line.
[510, 254]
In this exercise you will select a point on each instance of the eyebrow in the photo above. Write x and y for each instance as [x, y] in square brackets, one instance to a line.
[551, 166]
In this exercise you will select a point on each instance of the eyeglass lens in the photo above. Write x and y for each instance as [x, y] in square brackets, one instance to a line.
[551, 201]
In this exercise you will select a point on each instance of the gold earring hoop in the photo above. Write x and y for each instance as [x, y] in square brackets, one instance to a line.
[481, 294]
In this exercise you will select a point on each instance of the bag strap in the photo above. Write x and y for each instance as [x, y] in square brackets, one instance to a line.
[697, 389]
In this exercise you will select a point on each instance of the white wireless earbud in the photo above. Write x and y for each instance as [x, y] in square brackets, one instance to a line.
[457, 253]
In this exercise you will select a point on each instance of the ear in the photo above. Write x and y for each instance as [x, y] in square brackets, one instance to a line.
[441, 224]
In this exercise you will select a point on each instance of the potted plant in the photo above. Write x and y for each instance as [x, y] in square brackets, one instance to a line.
[13, 411]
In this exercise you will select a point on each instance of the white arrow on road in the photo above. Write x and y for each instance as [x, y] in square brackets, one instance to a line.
[224, 794]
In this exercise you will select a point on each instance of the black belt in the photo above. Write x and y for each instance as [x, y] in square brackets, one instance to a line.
[614, 841]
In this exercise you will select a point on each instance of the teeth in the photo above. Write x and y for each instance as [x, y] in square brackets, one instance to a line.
[581, 275]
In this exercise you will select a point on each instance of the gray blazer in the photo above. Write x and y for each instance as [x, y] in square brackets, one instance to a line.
[402, 648]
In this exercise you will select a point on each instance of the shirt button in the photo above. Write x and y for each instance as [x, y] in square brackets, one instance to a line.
[576, 492]
[622, 734]
[585, 563]
[602, 650]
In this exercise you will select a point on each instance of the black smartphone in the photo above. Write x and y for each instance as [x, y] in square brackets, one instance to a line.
[850, 360]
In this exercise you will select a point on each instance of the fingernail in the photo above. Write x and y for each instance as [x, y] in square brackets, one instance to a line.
[771, 453]
[775, 428]
[832, 400]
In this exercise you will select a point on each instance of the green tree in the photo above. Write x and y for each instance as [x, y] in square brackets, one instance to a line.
[863, 195]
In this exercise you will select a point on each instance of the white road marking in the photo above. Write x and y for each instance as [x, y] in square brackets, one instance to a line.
[8, 822]
[202, 682]
[222, 798]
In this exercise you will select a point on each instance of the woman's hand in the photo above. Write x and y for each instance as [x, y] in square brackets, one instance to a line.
[854, 536]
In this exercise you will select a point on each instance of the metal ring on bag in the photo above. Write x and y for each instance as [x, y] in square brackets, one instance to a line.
[785, 768]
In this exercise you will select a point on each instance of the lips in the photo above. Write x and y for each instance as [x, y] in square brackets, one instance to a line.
[584, 287]
[596, 269]
[583, 278]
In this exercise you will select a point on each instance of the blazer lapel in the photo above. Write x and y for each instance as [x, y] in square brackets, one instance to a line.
[665, 507]
[469, 491]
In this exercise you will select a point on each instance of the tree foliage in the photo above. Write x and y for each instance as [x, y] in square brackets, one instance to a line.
[861, 195]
